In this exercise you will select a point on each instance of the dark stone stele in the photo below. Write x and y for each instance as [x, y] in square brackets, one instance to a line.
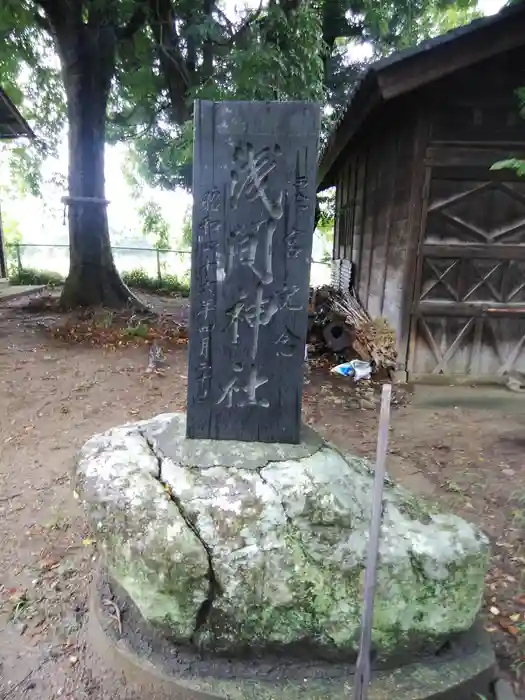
[254, 186]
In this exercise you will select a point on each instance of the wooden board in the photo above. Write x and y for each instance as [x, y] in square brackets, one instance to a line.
[253, 220]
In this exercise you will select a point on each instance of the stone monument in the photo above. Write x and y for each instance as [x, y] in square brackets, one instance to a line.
[253, 218]
[234, 539]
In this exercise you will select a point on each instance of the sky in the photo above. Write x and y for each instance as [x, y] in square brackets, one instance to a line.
[489, 7]
[39, 225]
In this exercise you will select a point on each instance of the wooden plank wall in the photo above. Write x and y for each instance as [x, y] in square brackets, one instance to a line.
[475, 121]
[383, 178]
[372, 225]
[478, 105]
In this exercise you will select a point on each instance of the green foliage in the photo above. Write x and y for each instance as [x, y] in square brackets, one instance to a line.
[29, 275]
[279, 58]
[326, 222]
[326, 202]
[10, 230]
[163, 154]
[136, 279]
[181, 50]
[140, 331]
[397, 24]
[187, 232]
[140, 279]
[30, 74]
[284, 54]
[515, 164]
[154, 225]
[510, 164]
[169, 284]
[285, 47]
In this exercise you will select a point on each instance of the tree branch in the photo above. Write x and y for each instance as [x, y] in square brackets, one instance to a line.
[236, 35]
[62, 19]
[228, 21]
[174, 68]
[57, 11]
[42, 22]
[243, 29]
[207, 46]
[136, 21]
[288, 6]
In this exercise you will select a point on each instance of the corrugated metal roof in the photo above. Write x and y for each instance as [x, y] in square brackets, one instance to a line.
[12, 123]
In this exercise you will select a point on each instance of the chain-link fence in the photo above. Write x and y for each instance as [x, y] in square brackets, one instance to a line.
[155, 263]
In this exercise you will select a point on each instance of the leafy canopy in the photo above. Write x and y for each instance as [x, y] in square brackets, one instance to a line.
[174, 51]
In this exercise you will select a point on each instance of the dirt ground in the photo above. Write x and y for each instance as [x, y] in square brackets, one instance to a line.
[464, 447]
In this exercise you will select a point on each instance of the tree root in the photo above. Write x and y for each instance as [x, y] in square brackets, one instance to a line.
[93, 286]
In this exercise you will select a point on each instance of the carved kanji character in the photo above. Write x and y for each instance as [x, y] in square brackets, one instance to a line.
[211, 201]
[244, 244]
[235, 385]
[250, 174]
[203, 380]
[208, 307]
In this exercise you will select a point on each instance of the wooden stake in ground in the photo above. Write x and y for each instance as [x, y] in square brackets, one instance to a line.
[362, 674]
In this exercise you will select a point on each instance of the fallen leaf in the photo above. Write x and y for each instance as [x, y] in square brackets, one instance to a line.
[48, 564]
[509, 627]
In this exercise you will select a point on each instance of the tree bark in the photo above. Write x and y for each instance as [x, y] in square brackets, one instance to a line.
[178, 75]
[88, 66]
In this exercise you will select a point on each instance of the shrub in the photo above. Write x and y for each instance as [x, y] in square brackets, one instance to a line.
[172, 284]
[140, 279]
[137, 279]
[28, 275]
[169, 284]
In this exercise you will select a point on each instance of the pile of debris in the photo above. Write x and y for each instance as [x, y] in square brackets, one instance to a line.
[340, 327]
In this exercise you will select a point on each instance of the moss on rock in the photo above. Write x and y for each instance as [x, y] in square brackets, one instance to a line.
[272, 555]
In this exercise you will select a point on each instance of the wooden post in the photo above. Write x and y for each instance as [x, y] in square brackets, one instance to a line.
[18, 261]
[159, 271]
[363, 671]
[3, 257]
[254, 184]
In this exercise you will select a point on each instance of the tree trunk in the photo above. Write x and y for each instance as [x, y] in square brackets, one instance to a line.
[88, 66]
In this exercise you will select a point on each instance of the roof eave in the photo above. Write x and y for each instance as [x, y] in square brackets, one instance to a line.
[25, 129]
[365, 100]
[422, 69]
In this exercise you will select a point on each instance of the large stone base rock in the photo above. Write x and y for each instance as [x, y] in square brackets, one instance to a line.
[251, 548]
[132, 657]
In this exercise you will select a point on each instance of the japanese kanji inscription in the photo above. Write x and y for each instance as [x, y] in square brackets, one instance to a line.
[253, 218]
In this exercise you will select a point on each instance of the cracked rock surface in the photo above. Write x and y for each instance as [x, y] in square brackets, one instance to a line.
[239, 547]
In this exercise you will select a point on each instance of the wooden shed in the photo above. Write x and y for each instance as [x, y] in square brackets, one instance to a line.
[12, 126]
[436, 238]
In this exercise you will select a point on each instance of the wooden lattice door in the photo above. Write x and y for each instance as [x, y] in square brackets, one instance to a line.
[468, 314]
